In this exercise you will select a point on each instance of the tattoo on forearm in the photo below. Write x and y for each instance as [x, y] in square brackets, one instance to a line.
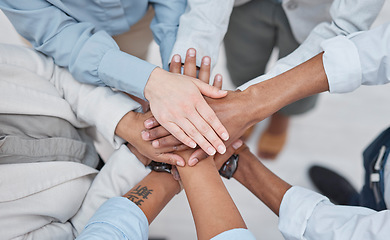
[139, 194]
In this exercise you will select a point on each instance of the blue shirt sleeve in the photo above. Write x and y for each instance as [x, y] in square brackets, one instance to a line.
[91, 55]
[166, 24]
[235, 234]
[118, 218]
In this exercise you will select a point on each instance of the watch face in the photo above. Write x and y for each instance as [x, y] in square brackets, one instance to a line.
[160, 167]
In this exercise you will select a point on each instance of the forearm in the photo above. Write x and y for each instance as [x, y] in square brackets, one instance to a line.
[263, 183]
[153, 193]
[213, 209]
[269, 96]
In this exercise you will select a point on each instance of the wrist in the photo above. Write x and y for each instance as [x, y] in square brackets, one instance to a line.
[152, 84]
[127, 122]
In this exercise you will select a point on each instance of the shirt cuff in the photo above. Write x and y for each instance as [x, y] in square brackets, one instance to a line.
[342, 64]
[119, 214]
[237, 233]
[296, 208]
[125, 72]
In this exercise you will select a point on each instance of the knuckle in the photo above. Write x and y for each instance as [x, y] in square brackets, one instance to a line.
[193, 132]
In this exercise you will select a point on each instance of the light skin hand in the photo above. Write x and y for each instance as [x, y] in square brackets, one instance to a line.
[159, 136]
[177, 103]
[135, 122]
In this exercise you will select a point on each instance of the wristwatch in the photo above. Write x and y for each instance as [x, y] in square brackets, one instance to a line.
[230, 167]
[160, 167]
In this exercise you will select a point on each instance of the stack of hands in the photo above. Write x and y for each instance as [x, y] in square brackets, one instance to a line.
[150, 140]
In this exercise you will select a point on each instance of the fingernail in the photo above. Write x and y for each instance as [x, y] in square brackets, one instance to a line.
[206, 61]
[192, 145]
[191, 52]
[221, 149]
[237, 144]
[193, 161]
[156, 143]
[145, 135]
[211, 151]
[176, 175]
[218, 78]
[181, 164]
[176, 58]
[222, 91]
[148, 123]
[225, 136]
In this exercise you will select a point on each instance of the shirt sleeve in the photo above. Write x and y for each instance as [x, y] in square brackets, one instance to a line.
[359, 59]
[118, 218]
[165, 25]
[91, 55]
[235, 234]
[348, 16]
[203, 27]
[305, 214]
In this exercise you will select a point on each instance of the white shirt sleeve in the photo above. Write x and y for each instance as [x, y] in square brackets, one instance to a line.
[359, 59]
[203, 27]
[305, 214]
[98, 106]
[348, 16]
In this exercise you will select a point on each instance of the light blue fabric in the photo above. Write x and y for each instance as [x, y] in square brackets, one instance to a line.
[119, 218]
[77, 34]
[235, 234]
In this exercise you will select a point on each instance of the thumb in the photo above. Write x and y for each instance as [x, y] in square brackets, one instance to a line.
[208, 90]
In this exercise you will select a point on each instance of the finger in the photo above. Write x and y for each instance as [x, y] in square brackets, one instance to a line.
[196, 157]
[168, 141]
[195, 132]
[208, 90]
[175, 66]
[220, 159]
[204, 72]
[218, 81]
[190, 63]
[155, 133]
[144, 160]
[178, 133]
[212, 120]
[175, 173]
[208, 133]
[171, 158]
[151, 123]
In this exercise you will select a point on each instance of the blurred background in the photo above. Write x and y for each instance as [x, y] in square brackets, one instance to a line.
[334, 134]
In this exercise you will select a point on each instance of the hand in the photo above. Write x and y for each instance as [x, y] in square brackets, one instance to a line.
[131, 127]
[177, 103]
[159, 136]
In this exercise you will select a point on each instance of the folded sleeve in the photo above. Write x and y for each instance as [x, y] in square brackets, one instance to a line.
[358, 59]
[118, 218]
[91, 55]
[305, 214]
